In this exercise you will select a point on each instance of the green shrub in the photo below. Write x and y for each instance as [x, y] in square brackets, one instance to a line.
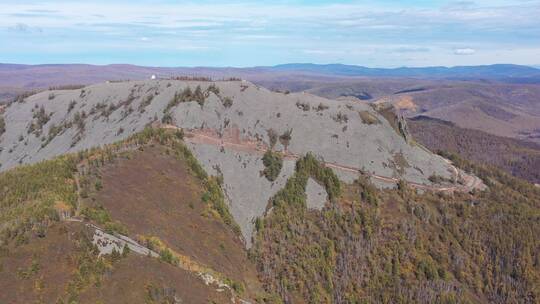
[198, 96]
[227, 102]
[186, 95]
[341, 118]
[273, 163]
[71, 106]
[39, 119]
[167, 119]
[97, 214]
[168, 257]
[272, 137]
[285, 138]
[321, 107]
[2, 125]
[303, 106]
[213, 88]
[145, 103]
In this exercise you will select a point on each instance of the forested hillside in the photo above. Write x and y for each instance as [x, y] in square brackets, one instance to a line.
[398, 246]
[366, 245]
[516, 157]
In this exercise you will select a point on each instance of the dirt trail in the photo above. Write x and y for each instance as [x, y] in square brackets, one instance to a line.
[211, 137]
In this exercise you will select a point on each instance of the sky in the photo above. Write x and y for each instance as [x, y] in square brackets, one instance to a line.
[384, 33]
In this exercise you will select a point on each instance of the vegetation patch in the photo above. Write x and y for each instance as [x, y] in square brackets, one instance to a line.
[54, 130]
[168, 255]
[227, 102]
[28, 195]
[90, 267]
[186, 95]
[145, 103]
[2, 125]
[71, 106]
[322, 107]
[290, 210]
[198, 95]
[303, 106]
[285, 138]
[39, 119]
[341, 118]
[22, 97]
[396, 246]
[438, 179]
[101, 216]
[273, 162]
[272, 137]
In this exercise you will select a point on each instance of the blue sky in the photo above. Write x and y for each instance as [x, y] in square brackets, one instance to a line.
[382, 33]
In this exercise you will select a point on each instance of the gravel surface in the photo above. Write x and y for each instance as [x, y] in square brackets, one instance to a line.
[332, 130]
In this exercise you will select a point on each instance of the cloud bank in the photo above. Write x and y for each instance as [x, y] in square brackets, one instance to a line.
[382, 33]
[465, 51]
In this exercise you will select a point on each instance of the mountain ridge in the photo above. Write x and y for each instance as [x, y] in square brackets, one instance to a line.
[495, 71]
[230, 125]
[487, 71]
[179, 168]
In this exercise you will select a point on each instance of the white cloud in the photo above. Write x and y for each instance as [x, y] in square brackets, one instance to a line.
[20, 27]
[24, 28]
[465, 51]
[343, 32]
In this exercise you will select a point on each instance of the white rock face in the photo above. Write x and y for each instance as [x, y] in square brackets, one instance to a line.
[331, 130]
[246, 191]
[316, 195]
[107, 243]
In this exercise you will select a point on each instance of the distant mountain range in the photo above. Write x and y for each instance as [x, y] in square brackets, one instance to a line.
[496, 71]
[37, 76]
[15, 78]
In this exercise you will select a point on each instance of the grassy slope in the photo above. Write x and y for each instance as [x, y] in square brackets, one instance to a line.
[45, 259]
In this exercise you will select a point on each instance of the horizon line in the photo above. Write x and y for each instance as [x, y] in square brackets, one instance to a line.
[534, 66]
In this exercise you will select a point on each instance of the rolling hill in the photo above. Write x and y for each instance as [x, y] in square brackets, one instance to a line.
[502, 109]
[230, 125]
[498, 99]
[14, 77]
[496, 71]
[196, 191]
[516, 157]
[141, 221]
